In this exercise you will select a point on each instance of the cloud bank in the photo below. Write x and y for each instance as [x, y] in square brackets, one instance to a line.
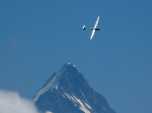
[11, 102]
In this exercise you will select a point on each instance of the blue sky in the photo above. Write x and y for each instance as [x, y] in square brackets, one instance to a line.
[37, 37]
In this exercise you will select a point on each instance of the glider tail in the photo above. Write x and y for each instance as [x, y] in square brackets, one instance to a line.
[84, 28]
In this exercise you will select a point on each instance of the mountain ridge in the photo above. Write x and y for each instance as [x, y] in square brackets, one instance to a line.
[67, 90]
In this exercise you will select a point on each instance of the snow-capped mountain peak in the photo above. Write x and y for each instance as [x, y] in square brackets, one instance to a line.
[67, 91]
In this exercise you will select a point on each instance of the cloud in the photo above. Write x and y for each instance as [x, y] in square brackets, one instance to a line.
[11, 102]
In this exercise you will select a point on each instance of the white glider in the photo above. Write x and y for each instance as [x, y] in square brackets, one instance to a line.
[94, 29]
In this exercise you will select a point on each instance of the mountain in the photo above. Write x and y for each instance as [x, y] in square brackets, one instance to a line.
[67, 91]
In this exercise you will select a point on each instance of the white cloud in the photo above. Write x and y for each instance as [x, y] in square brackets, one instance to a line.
[11, 102]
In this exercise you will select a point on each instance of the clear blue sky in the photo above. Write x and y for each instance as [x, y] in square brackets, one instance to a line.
[38, 36]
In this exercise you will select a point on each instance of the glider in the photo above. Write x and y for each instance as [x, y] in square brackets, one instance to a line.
[93, 29]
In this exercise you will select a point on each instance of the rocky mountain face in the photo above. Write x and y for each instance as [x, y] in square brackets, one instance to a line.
[67, 91]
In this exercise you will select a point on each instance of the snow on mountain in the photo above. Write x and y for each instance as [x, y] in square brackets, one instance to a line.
[67, 91]
[48, 112]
